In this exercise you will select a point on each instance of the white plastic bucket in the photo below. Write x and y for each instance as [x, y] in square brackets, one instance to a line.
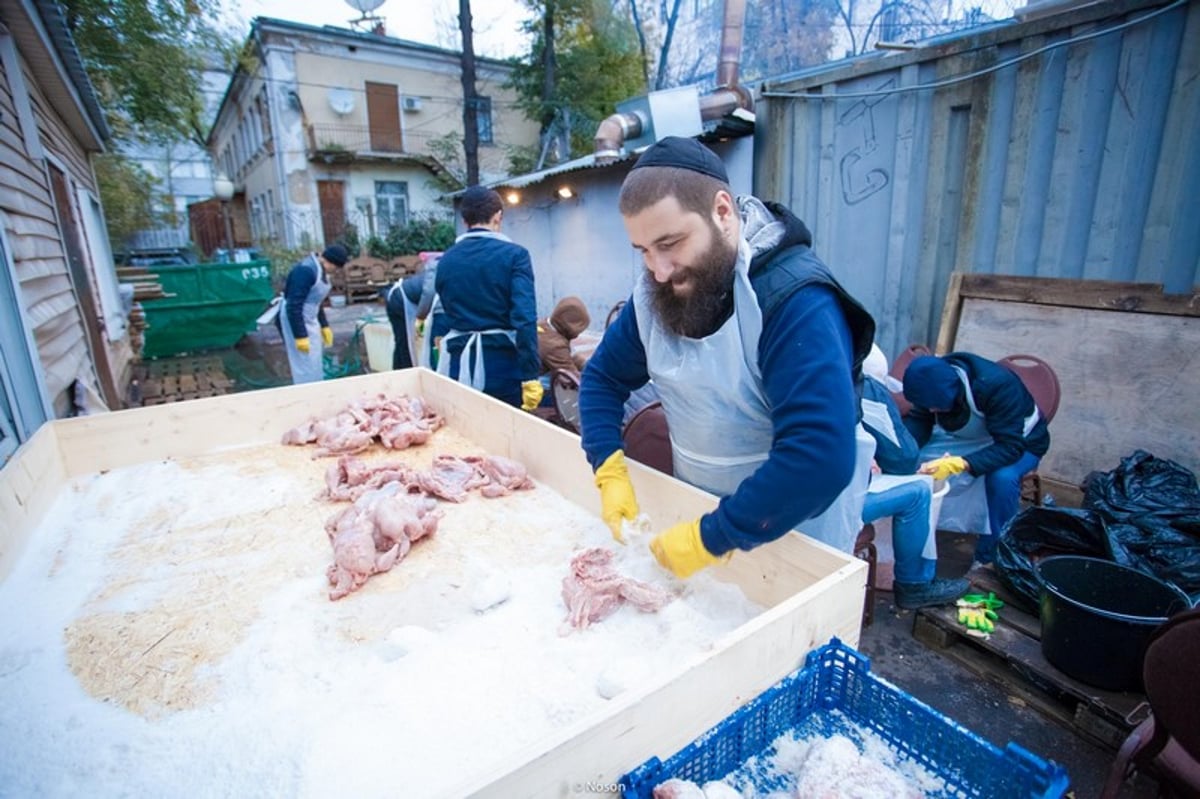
[380, 345]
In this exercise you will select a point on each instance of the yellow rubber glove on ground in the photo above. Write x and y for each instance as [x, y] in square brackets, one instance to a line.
[327, 336]
[302, 345]
[531, 394]
[982, 619]
[944, 467]
[681, 551]
[617, 501]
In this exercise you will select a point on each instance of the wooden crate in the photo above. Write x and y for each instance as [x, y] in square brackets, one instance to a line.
[165, 380]
[810, 592]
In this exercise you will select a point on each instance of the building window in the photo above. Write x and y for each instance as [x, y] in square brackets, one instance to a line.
[391, 204]
[483, 119]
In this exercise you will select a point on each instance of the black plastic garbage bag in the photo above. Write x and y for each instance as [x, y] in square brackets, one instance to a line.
[1155, 504]
[1036, 533]
[1145, 514]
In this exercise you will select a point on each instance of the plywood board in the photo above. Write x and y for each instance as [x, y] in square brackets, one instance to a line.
[811, 592]
[1126, 356]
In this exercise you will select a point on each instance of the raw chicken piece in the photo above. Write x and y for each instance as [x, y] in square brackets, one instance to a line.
[678, 789]
[594, 590]
[403, 434]
[450, 478]
[502, 475]
[407, 517]
[398, 423]
[298, 436]
[374, 534]
[355, 557]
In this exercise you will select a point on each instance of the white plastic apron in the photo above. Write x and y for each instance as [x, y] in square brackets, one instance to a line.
[307, 367]
[427, 342]
[964, 509]
[471, 371]
[410, 320]
[721, 433]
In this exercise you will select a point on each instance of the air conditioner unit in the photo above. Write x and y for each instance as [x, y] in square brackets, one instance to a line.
[411, 103]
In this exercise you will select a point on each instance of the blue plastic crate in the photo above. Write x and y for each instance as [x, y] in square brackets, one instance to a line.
[836, 677]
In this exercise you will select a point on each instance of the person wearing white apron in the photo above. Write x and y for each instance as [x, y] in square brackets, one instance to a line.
[305, 330]
[898, 493]
[755, 351]
[485, 286]
[408, 301]
[974, 419]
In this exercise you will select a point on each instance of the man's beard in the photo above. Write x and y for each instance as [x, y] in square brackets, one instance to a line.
[710, 301]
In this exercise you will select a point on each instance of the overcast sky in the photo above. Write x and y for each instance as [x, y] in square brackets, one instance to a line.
[496, 22]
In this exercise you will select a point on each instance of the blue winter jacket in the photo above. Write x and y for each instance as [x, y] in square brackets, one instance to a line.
[810, 354]
[1005, 404]
[486, 282]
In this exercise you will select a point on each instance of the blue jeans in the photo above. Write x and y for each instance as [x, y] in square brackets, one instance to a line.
[1003, 488]
[908, 505]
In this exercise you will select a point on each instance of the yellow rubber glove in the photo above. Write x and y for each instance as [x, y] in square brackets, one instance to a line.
[531, 394]
[302, 345]
[327, 336]
[617, 502]
[681, 551]
[944, 467]
[982, 619]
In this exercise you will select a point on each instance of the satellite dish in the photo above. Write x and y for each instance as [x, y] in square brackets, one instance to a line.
[341, 101]
[364, 6]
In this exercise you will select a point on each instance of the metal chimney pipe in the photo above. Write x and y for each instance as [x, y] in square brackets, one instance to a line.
[614, 130]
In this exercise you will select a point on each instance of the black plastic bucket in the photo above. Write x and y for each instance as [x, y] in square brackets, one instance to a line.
[1097, 617]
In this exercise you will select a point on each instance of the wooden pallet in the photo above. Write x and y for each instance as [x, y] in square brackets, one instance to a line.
[1012, 657]
[165, 380]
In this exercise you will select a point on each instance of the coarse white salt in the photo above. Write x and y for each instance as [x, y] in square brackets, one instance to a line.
[168, 630]
[829, 755]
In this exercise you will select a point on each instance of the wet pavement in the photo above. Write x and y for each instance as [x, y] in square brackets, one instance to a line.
[987, 708]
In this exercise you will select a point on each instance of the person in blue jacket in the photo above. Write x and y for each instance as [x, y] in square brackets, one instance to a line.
[485, 286]
[756, 353]
[306, 331]
[409, 301]
[973, 418]
[904, 496]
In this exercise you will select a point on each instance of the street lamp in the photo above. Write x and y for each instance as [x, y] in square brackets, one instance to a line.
[223, 189]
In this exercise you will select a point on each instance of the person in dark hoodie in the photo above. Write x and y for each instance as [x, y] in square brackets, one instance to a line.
[555, 334]
[756, 352]
[973, 418]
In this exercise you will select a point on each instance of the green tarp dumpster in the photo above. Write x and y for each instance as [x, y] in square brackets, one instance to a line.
[213, 306]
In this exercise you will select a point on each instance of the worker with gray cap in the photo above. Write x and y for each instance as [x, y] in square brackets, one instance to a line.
[756, 352]
[305, 330]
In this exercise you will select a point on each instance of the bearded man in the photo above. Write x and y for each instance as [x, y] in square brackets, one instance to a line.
[756, 352]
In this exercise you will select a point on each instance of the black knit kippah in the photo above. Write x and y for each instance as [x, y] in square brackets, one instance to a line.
[683, 153]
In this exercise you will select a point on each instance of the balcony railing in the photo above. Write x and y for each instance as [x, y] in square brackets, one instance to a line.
[352, 141]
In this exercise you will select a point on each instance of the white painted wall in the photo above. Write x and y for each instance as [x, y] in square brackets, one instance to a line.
[579, 246]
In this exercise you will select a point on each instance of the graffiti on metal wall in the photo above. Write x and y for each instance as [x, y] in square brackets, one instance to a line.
[859, 178]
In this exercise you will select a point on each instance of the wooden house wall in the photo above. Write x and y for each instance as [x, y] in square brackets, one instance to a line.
[39, 256]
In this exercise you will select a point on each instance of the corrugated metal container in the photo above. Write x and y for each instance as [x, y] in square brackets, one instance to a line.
[1066, 146]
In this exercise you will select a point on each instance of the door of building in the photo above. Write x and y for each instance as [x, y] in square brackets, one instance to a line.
[383, 117]
[331, 195]
[72, 241]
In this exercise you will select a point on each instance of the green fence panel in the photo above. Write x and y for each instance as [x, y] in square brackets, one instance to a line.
[213, 306]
